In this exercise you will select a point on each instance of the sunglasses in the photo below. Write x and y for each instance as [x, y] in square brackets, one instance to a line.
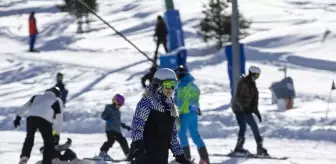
[169, 84]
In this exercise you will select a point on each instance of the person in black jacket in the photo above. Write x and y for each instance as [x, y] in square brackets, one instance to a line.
[112, 116]
[160, 36]
[244, 104]
[44, 113]
[61, 86]
[148, 76]
[68, 155]
[154, 125]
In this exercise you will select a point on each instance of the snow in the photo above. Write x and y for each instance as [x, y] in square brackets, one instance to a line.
[100, 63]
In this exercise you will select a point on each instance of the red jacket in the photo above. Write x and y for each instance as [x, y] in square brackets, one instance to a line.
[32, 26]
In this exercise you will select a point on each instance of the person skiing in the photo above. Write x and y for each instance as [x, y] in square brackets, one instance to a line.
[112, 117]
[245, 103]
[43, 111]
[61, 86]
[68, 155]
[187, 100]
[154, 126]
[160, 35]
[32, 32]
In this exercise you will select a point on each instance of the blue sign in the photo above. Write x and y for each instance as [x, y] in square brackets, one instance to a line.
[174, 59]
[228, 52]
[175, 31]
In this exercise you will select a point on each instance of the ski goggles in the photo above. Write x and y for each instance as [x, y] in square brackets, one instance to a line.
[256, 75]
[169, 84]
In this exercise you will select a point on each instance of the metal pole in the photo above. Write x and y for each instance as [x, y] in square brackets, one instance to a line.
[236, 60]
[120, 34]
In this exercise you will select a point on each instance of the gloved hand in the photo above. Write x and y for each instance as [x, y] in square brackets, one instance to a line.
[181, 159]
[126, 127]
[257, 113]
[17, 121]
[137, 152]
[56, 139]
[69, 141]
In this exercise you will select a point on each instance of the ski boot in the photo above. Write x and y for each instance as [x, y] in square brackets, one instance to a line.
[204, 155]
[105, 156]
[23, 160]
[261, 151]
[239, 150]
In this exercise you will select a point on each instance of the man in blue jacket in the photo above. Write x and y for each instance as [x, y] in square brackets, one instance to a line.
[187, 100]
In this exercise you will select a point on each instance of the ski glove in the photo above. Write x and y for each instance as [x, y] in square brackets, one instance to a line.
[17, 121]
[137, 152]
[181, 159]
[126, 127]
[257, 113]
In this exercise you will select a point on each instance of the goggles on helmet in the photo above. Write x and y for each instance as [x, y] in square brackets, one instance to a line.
[169, 84]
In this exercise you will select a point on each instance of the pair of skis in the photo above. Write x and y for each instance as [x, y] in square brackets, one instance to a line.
[250, 155]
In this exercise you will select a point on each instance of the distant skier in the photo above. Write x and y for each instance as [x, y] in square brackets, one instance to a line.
[160, 36]
[244, 104]
[154, 126]
[43, 112]
[68, 155]
[32, 32]
[112, 117]
[61, 86]
[187, 100]
[148, 76]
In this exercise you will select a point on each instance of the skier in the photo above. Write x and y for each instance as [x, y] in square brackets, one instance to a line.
[32, 32]
[154, 127]
[68, 155]
[61, 86]
[111, 115]
[187, 100]
[160, 35]
[148, 76]
[245, 102]
[42, 111]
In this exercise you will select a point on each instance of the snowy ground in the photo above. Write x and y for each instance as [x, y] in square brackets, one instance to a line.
[86, 145]
[99, 64]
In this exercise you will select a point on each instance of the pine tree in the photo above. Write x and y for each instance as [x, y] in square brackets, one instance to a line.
[216, 23]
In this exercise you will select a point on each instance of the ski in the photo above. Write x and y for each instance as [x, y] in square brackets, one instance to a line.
[98, 159]
[251, 156]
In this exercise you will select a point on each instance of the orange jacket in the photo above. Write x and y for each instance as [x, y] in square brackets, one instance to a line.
[32, 26]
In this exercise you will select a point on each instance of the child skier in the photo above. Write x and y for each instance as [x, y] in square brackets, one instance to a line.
[112, 116]
[68, 154]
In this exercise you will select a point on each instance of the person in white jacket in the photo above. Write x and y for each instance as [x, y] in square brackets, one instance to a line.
[43, 111]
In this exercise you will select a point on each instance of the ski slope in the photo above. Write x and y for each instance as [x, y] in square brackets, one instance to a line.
[100, 63]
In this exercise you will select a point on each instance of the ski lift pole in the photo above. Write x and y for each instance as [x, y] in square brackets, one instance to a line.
[120, 34]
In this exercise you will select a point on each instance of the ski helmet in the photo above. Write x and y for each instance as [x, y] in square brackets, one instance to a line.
[54, 90]
[254, 71]
[119, 99]
[165, 74]
[181, 71]
[166, 78]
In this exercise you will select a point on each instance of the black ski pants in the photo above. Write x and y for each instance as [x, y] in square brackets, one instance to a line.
[111, 138]
[158, 42]
[37, 123]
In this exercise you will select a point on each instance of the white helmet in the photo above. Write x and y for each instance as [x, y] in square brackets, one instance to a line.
[165, 74]
[254, 69]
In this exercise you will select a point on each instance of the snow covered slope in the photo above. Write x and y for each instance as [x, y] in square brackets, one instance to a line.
[100, 63]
